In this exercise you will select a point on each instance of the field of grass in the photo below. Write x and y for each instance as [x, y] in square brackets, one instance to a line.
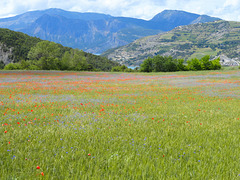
[86, 125]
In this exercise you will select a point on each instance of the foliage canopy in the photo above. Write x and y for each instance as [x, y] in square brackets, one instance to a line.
[168, 64]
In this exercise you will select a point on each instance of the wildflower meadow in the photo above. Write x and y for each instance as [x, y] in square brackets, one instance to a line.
[95, 125]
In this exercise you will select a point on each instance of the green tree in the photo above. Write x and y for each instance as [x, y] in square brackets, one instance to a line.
[205, 62]
[215, 64]
[180, 65]
[46, 55]
[194, 65]
[147, 65]
[158, 63]
[170, 64]
[65, 63]
[76, 60]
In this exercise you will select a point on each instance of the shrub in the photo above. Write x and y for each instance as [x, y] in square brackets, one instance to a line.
[12, 66]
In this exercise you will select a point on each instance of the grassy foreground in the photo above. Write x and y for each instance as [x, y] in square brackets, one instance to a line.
[82, 125]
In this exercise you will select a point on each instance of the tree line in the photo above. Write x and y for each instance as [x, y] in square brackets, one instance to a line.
[48, 55]
[168, 64]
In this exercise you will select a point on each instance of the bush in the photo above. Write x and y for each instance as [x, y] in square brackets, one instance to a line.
[33, 67]
[128, 70]
[12, 66]
[122, 68]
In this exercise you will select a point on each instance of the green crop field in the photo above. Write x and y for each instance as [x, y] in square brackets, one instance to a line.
[91, 125]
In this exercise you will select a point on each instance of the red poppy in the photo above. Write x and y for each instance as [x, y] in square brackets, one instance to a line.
[38, 167]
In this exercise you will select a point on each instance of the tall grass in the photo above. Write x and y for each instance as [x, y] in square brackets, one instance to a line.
[119, 126]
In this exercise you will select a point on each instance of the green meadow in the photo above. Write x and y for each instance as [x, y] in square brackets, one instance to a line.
[93, 125]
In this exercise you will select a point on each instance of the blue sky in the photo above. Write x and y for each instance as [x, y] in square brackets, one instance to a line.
[144, 9]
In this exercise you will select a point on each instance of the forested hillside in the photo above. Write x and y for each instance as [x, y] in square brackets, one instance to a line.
[20, 51]
[17, 44]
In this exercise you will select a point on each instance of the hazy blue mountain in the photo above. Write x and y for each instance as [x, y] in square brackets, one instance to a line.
[95, 32]
[23, 20]
[169, 19]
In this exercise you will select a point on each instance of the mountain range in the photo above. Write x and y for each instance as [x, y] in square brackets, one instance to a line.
[219, 38]
[95, 32]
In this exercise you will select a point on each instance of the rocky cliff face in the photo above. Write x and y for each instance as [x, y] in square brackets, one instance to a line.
[6, 54]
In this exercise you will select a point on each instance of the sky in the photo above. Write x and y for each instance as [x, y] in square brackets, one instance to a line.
[142, 9]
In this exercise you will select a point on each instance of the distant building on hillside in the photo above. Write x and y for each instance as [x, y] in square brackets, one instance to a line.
[225, 61]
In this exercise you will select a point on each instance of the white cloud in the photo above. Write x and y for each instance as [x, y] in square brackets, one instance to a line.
[146, 9]
[231, 3]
